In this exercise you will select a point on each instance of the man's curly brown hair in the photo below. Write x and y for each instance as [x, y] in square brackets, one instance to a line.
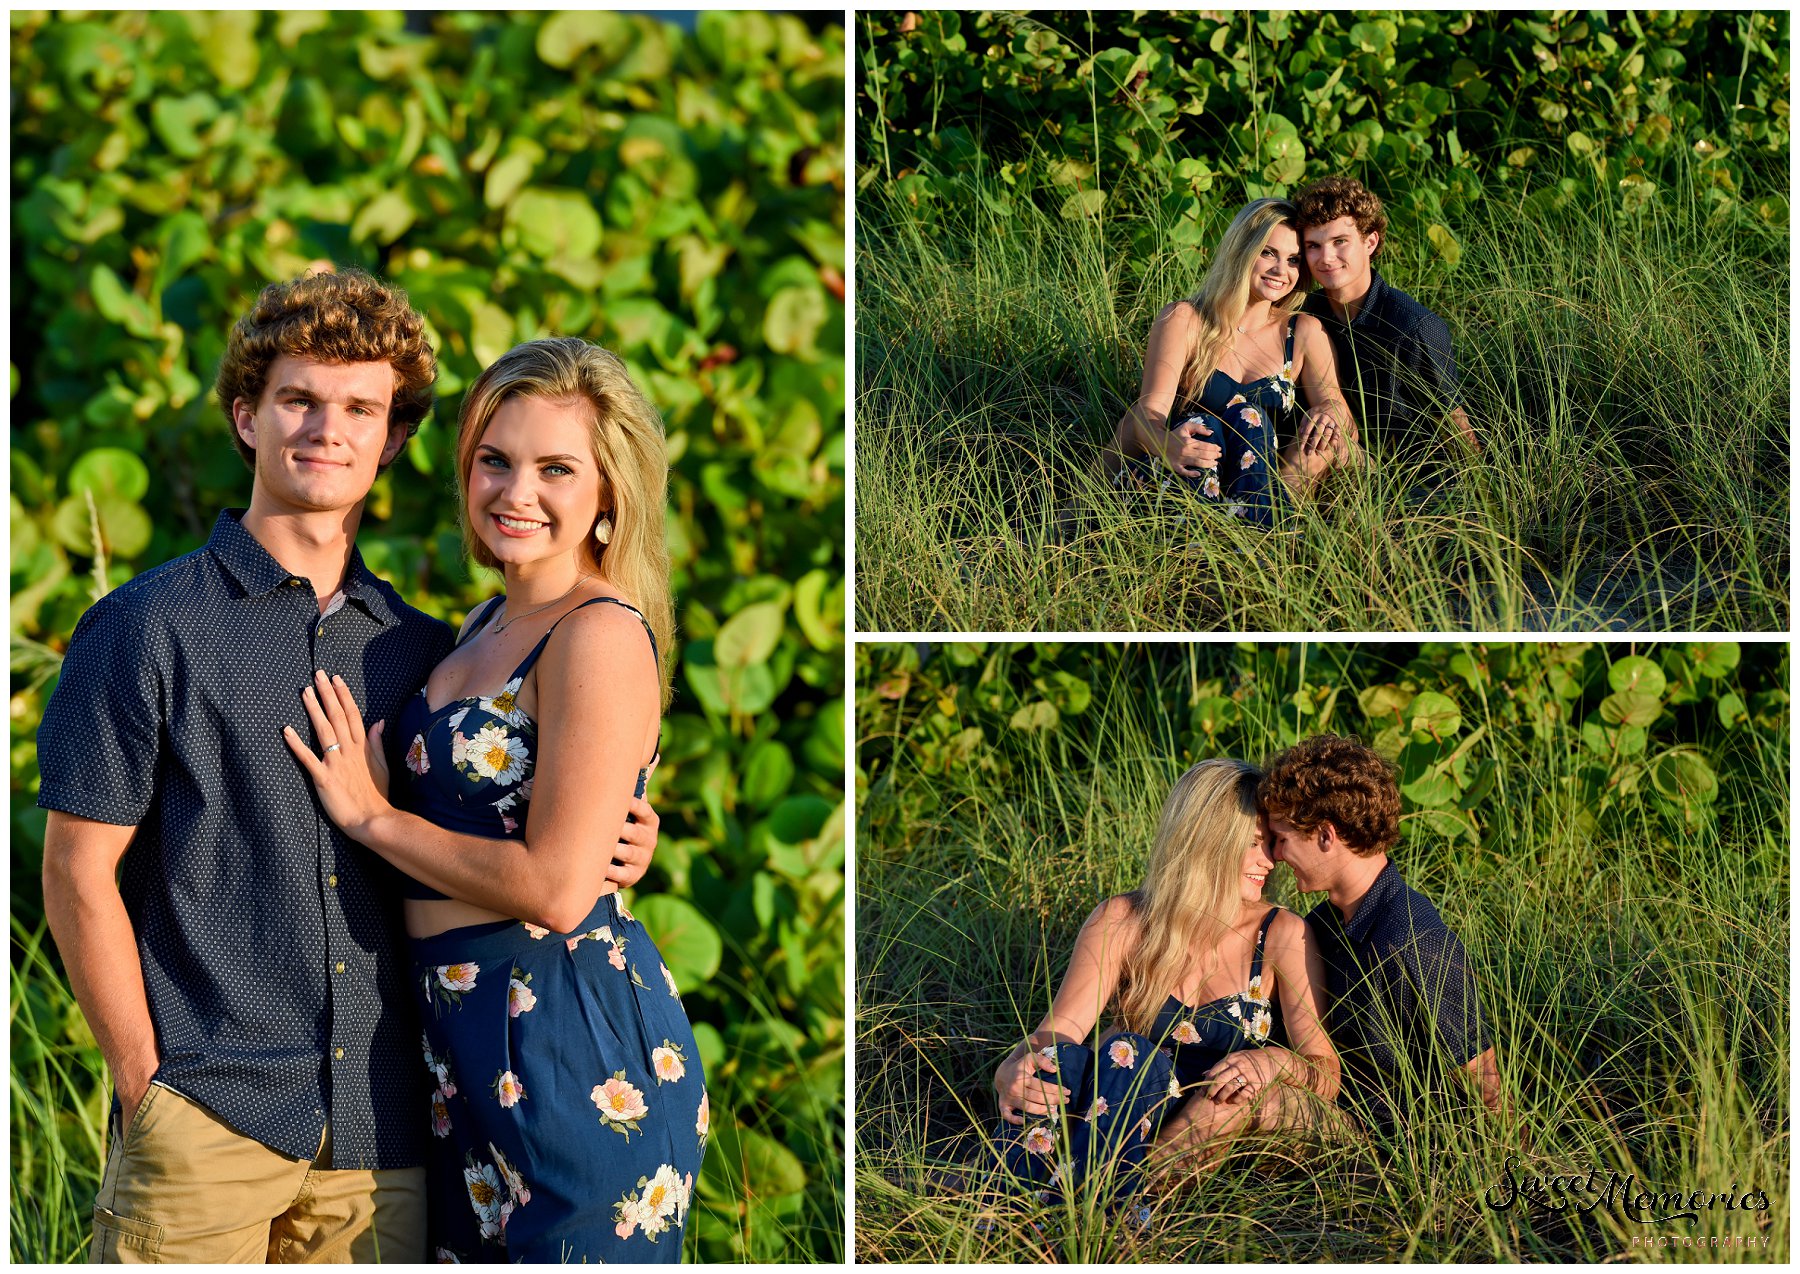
[1329, 198]
[344, 316]
[1332, 779]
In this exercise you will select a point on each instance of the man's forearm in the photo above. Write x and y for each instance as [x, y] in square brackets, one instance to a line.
[99, 949]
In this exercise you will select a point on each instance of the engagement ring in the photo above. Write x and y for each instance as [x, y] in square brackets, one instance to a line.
[334, 747]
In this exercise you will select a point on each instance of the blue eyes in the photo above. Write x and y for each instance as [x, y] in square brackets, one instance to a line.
[554, 470]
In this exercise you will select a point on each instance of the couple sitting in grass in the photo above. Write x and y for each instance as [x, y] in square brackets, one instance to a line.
[1232, 1016]
[1244, 392]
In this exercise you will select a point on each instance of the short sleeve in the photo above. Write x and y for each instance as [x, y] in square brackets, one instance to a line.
[101, 736]
[1447, 1002]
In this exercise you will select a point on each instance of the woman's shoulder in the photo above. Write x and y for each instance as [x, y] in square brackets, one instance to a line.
[1307, 326]
[615, 626]
[1118, 914]
[1287, 928]
[1179, 316]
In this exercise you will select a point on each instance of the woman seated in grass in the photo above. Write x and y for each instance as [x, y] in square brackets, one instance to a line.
[1217, 410]
[1200, 973]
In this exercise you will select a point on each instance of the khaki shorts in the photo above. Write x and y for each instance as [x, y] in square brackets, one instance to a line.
[182, 1185]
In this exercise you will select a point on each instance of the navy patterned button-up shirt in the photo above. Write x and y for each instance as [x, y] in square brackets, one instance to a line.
[273, 955]
[1395, 366]
[1401, 999]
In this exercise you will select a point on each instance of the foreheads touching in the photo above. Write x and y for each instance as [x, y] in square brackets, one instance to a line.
[1324, 794]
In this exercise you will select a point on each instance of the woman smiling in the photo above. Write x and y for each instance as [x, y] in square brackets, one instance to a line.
[1217, 411]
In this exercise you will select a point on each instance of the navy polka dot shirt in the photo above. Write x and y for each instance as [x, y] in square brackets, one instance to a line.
[273, 954]
[1402, 1003]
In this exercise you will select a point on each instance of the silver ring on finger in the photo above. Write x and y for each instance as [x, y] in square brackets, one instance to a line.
[333, 747]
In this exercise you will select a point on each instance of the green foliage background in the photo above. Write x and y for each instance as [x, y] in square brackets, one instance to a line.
[675, 196]
[1605, 825]
[1182, 104]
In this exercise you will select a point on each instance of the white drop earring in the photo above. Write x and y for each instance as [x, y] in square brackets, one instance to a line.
[603, 529]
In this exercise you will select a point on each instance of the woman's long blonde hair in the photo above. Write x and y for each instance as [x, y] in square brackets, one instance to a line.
[1191, 895]
[1225, 290]
[629, 447]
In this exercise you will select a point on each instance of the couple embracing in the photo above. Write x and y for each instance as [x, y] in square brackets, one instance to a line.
[1229, 1015]
[1256, 388]
[369, 994]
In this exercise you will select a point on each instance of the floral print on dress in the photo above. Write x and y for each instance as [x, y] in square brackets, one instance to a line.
[661, 1204]
[496, 755]
[416, 758]
[487, 1195]
[519, 995]
[621, 1105]
[668, 1062]
[508, 1091]
[448, 983]
[1283, 382]
[505, 705]
[540, 1026]
[1123, 1053]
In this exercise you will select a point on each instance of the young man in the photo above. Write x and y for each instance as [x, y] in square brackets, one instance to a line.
[1402, 1009]
[1394, 359]
[245, 974]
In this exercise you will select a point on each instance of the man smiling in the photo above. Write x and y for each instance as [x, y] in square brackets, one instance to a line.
[1401, 1003]
[1394, 358]
[237, 957]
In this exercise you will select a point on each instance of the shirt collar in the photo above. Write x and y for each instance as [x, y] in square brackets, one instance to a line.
[1381, 893]
[259, 574]
[1374, 299]
[1320, 307]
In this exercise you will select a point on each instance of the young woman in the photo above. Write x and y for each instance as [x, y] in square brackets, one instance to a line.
[1204, 979]
[1217, 410]
[569, 1111]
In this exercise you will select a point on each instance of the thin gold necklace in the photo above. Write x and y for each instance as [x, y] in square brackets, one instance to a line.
[502, 625]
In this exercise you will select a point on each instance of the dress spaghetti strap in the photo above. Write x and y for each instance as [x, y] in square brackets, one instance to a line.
[492, 605]
[544, 641]
[1257, 957]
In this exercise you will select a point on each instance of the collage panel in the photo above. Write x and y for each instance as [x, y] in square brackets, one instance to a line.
[1399, 321]
[1322, 952]
[428, 590]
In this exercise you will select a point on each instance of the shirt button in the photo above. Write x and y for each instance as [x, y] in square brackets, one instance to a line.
[339, 1054]
[340, 966]
[332, 881]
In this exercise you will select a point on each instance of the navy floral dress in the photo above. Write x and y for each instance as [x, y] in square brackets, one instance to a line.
[1122, 1097]
[568, 1109]
[1248, 421]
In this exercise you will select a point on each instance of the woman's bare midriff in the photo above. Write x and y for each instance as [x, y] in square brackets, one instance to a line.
[428, 917]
